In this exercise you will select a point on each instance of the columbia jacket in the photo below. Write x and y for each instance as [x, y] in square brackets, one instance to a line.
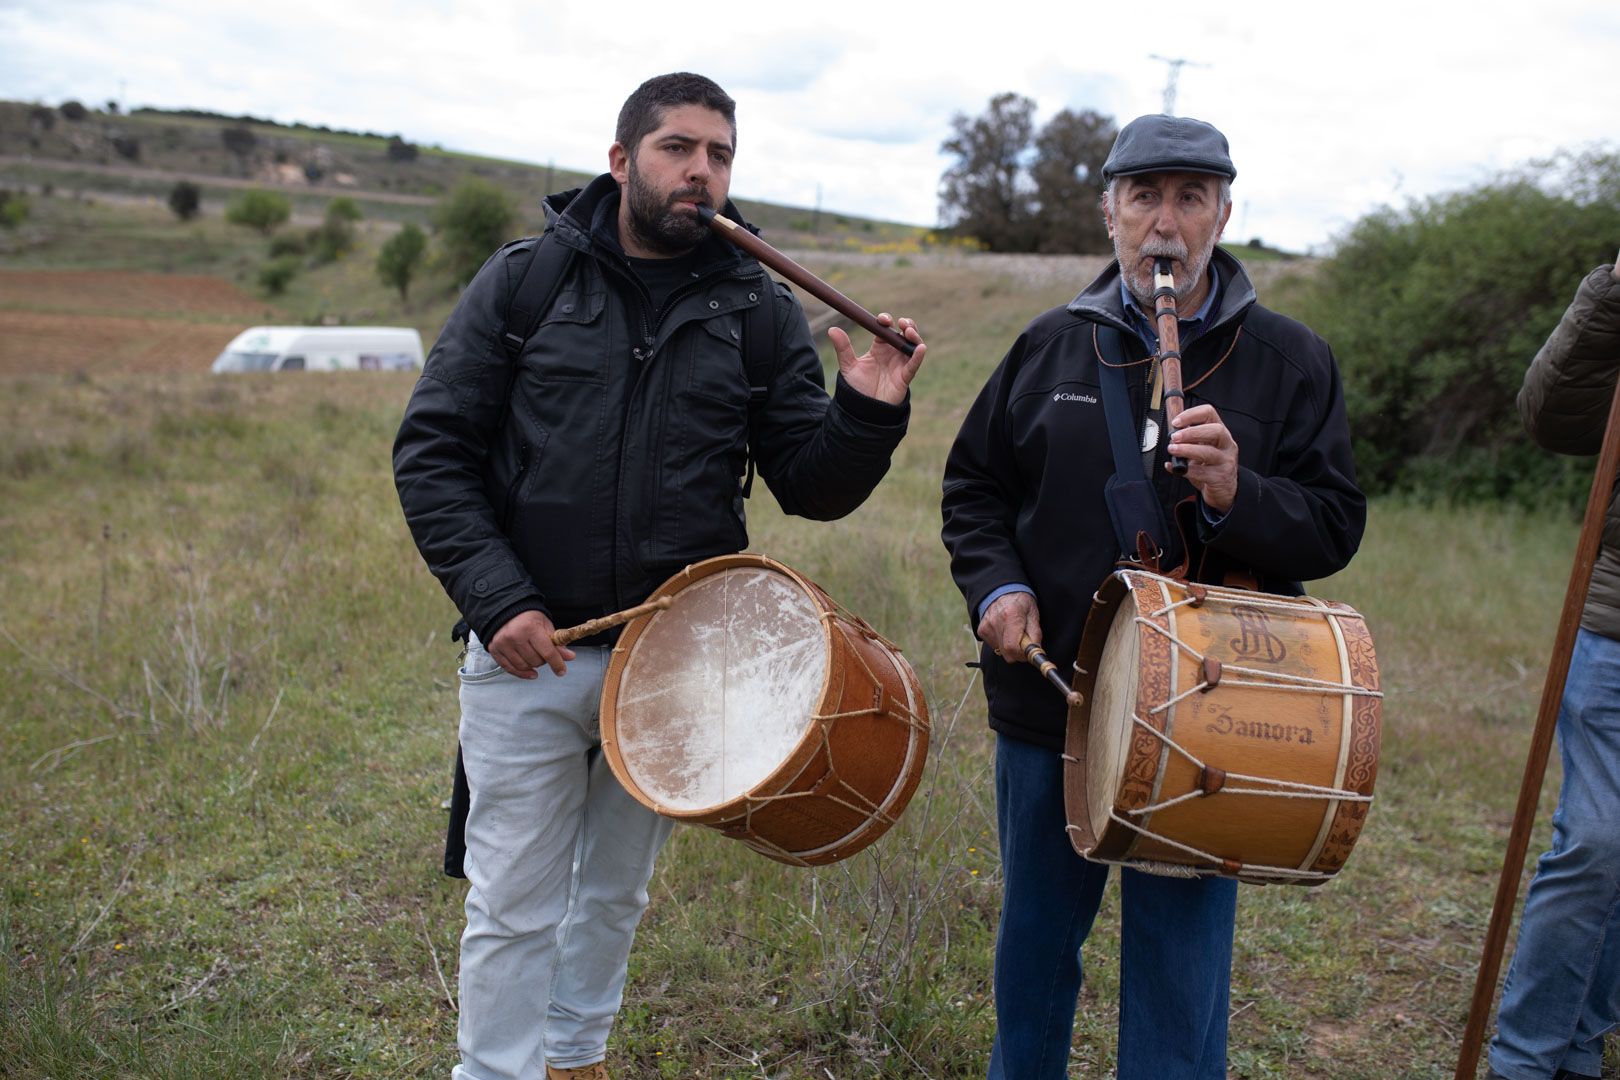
[610, 455]
[1565, 406]
[1023, 488]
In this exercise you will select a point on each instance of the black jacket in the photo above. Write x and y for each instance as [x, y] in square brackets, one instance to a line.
[610, 456]
[1023, 490]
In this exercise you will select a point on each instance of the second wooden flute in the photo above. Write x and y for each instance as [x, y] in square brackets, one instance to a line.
[803, 278]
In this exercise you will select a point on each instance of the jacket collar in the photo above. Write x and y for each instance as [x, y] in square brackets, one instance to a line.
[587, 219]
[1100, 301]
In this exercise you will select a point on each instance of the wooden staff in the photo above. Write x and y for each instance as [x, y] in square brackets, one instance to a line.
[606, 622]
[1535, 767]
[1164, 316]
[1037, 656]
[803, 278]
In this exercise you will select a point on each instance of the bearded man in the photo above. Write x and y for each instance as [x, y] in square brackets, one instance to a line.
[559, 458]
[1038, 507]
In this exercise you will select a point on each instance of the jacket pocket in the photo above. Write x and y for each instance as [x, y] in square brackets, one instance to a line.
[571, 343]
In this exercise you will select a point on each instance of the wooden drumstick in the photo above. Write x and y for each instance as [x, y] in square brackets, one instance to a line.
[586, 629]
[1037, 656]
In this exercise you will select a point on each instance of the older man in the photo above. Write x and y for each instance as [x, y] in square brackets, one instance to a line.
[1035, 520]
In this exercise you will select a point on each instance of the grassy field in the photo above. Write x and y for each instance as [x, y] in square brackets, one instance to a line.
[229, 718]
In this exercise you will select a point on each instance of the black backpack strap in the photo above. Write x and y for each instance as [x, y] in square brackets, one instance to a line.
[1122, 434]
[534, 292]
[760, 358]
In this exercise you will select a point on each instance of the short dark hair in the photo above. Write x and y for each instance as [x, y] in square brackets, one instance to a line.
[644, 110]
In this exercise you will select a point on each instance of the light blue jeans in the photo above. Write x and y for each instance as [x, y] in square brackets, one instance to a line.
[558, 859]
[1563, 988]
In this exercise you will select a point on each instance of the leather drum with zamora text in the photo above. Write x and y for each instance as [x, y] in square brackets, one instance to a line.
[1221, 731]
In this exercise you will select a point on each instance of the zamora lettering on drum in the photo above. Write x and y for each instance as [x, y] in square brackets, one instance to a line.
[1223, 724]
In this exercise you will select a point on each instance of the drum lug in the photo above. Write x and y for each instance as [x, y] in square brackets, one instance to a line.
[1211, 779]
[1211, 673]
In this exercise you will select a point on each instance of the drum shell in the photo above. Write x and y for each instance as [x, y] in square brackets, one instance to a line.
[856, 766]
[1299, 737]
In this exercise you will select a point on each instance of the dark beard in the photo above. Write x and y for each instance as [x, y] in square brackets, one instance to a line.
[656, 225]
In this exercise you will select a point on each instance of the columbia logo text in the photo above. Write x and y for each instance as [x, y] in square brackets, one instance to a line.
[1087, 398]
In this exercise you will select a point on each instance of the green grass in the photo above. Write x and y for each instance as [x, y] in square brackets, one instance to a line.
[229, 716]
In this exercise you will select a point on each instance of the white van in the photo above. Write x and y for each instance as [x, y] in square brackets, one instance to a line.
[323, 348]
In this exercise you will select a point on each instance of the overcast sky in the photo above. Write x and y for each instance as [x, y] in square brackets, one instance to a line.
[1331, 112]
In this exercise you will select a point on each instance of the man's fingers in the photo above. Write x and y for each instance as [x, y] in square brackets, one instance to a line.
[512, 662]
[841, 347]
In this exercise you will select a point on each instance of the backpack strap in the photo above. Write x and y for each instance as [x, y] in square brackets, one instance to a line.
[533, 294]
[1122, 434]
[1140, 527]
[760, 359]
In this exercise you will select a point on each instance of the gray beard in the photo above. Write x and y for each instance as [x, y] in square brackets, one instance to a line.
[1142, 287]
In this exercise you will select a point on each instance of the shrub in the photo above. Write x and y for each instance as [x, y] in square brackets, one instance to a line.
[13, 209]
[400, 257]
[400, 150]
[128, 147]
[333, 238]
[72, 110]
[1435, 311]
[290, 243]
[473, 220]
[185, 199]
[275, 274]
[262, 210]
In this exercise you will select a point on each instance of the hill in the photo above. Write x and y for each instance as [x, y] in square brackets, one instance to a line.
[144, 152]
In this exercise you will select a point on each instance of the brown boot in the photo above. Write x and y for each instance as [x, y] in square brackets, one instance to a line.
[584, 1072]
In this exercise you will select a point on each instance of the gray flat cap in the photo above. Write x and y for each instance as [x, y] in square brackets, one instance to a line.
[1159, 143]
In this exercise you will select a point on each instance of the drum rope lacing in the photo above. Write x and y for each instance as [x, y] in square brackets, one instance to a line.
[873, 812]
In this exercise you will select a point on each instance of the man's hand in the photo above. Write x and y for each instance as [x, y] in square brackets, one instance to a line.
[1212, 455]
[884, 372]
[1007, 622]
[524, 644]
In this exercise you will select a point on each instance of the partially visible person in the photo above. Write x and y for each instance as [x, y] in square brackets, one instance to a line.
[1562, 993]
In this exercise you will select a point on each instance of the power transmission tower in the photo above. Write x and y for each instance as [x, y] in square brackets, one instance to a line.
[1176, 63]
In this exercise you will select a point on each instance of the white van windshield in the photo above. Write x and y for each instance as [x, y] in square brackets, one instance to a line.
[245, 361]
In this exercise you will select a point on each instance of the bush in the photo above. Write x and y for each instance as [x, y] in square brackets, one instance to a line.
[13, 209]
[128, 147]
[275, 274]
[400, 257]
[400, 150]
[72, 110]
[290, 243]
[262, 210]
[185, 199]
[473, 220]
[333, 238]
[1435, 311]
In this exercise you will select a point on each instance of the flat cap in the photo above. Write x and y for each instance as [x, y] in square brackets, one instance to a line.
[1159, 143]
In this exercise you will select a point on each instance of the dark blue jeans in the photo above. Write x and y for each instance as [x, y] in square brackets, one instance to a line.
[1175, 943]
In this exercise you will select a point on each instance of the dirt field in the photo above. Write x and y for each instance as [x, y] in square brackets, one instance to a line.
[102, 321]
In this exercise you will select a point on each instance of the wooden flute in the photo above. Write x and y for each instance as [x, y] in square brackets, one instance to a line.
[804, 279]
[1164, 317]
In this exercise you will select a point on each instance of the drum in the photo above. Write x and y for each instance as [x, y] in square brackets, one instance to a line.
[1221, 732]
[757, 706]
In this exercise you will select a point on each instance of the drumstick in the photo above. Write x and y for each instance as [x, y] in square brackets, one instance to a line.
[1037, 656]
[586, 629]
[803, 278]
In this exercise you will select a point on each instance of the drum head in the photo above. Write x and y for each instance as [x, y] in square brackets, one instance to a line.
[720, 688]
[1112, 706]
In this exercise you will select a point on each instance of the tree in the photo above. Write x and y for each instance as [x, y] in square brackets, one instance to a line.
[473, 220]
[13, 209]
[262, 210]
[277, 273]
[984, 195]
[240, 142]
[333, 238]
[73, 111]
[400, 258]
[400, 150]
[185, 199]
[1435, 310]
[1067, 174]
